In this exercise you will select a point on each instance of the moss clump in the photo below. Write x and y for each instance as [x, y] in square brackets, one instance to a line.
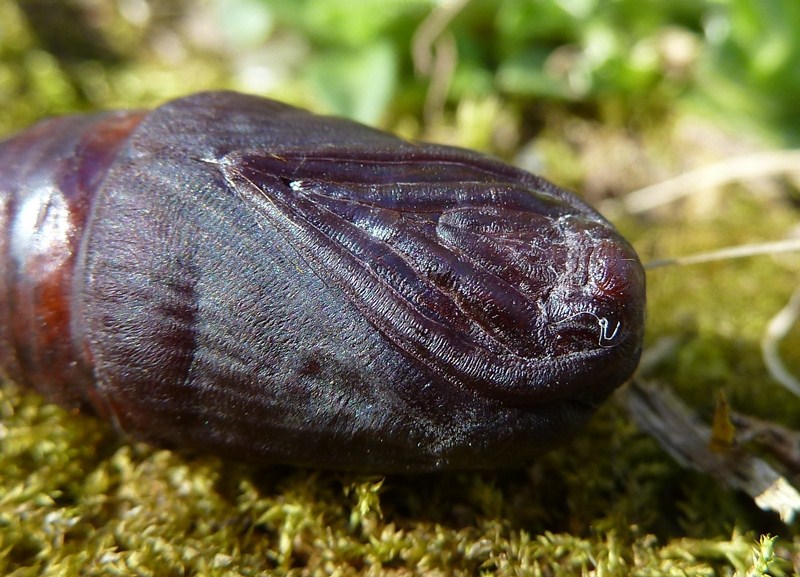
[76, 500]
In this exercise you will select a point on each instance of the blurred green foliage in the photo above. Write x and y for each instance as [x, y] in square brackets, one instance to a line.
[623, 61]
[752, 69]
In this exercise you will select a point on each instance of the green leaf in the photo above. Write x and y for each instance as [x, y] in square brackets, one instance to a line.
[356, 84]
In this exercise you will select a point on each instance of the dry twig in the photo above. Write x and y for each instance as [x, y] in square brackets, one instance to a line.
[688, 440]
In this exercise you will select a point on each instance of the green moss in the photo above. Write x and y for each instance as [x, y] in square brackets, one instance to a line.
[76, 500]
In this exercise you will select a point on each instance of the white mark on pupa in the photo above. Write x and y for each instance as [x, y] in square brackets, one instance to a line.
[605, 338]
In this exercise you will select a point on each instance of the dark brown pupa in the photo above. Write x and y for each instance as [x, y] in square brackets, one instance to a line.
[239, 276]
